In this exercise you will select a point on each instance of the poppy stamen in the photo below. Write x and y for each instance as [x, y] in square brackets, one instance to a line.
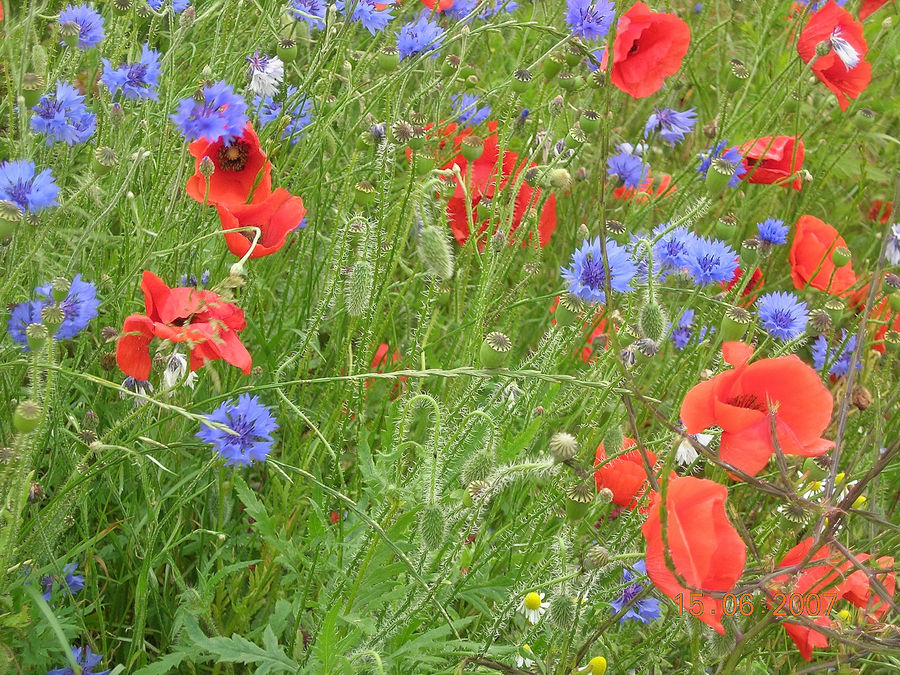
[234, 157]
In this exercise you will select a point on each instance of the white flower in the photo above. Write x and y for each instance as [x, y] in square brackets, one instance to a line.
[266, 73]
[533, 607]
[686, 454]
[175, 370]
[521, 661]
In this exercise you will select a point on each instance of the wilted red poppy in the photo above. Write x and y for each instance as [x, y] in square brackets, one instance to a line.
[483, 188]
[238, 167]
[658, 185]
[810, 257]
[277, 215]
[843, 69]
[624, 475]
[649, 47]
[198, 317]
[705, 549]
[774, 160]
[869, 7]
[880, 211]
[741, 400]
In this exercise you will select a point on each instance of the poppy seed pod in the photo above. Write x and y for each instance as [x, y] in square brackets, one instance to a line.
[36, 335]
[432, 526]
[553, 65]
[417, 137]
[568, 81]
[575, 138]
[472, 147]
[475, 492]
[105, 160]
[841, 256]
[286, 50]
[573, 54]
[26, 417]
[364, 193]
[578, 500]
[589, 121]
[563, 446]
[864, 118]
[569, 308]
[388, 58]
[450, 65]
[734, 324]
[892, 341]
[52, 317]
[739, 76]
[70, 32]
[121, 6]
[597, 557]
[32, 86]
[835, 308]
[434, 251]
[819, 322]
[718, 176]
[494, 350]
[894, 301]
[521, 80]
[59, 288]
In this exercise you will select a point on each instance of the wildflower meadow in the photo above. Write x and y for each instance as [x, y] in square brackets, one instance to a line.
[449, 336]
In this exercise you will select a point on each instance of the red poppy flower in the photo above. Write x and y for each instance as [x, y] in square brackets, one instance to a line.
[883, 318]
[483, 187]
[705, 549]
[810, 257]
[858, 590]
[774, 160]
[843, 69]
[653, 186]
[200, 318]
[277, 215]
[869, 7]
[438, 5]
[624, 475]
[880, 212]
[238, 167]
[740, 400]
[751, 292]
[649, 47]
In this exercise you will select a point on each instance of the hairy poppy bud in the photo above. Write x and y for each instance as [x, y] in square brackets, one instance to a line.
[359, 288]
[613, 439]
[823, 48]
[435, 252]
[563, 446]
[559, 178]
[494, 350]
[432, 526]
[477, 467]
[562, 611]
[26, 417]
[653, 321]
[596, 558]
[556, 106]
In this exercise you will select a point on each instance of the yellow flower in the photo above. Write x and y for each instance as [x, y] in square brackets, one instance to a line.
[597, 665]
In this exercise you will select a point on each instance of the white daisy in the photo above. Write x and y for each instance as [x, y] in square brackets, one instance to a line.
[522, 661]
[266, 74]
[686, 454]
[533, 607]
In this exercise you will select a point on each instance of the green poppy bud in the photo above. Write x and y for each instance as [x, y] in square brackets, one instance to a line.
[435, 252]
[423, 163]
[432, 526]
[477, 467]
[559, 178]
[653, 321]
[894, 301]
[494, 350]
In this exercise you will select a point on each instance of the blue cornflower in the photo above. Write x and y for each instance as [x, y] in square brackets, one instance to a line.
[816, 5]
[419, 37]
[366, 13]
[496, 6]
[79, 308]
[892, 248]
[253, 425]
[221, 114]
[300, 113]
[594, 64]
[711, 261]
[136, 80]
[63, 116]
[586, 276]
[310, 11]
[87, 661]
[838, 358]
[89, 22]
[772, 231]
[672, 250]
[671, 124]
[629, 168]
[782, 315]
[732, 155]
[590, 20]
[645, 609]
[460, 9]
[30, 192]
[73, 582]
[681, 332]
[698, 8]
[467, 110]
[177, 5]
